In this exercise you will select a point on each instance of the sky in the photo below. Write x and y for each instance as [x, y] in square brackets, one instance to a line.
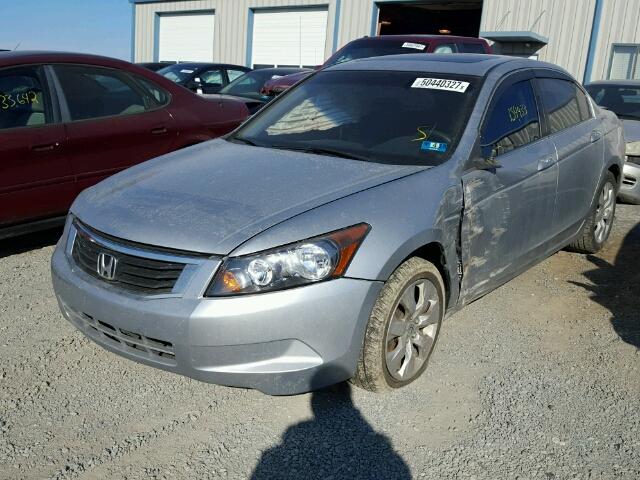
[90, 26]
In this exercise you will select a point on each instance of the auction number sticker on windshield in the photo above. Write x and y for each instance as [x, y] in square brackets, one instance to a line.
[441, 84]
[417, 46]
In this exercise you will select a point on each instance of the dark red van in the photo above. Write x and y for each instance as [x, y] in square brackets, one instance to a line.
[68, 120]
[386, 45]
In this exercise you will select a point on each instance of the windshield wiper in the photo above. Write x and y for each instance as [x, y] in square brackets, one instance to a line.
[243, 140]
[627, 117]
[322, 151]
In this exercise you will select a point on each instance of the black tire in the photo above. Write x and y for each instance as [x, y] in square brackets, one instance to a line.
[589, 240]
[414, 275]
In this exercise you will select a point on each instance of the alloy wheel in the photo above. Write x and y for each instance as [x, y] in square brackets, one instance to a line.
[412, 330]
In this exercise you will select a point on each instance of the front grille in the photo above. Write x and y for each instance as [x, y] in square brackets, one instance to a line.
[132, 273]
[127, 341]
[633, 159]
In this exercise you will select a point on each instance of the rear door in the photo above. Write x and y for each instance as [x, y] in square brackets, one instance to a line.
[36, 180]
[112, 121]
[578, 140]
[509, 203]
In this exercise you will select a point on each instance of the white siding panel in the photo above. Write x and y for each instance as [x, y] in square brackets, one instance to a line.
[618, 25]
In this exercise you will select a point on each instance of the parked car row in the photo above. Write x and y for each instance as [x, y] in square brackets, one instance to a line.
[622, 97]
[67, 121]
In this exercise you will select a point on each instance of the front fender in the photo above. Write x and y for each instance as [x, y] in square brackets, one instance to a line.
[405, 215]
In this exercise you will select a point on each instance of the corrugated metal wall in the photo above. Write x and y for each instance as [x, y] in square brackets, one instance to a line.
[567, 24]
[620, 23]
[231, 24]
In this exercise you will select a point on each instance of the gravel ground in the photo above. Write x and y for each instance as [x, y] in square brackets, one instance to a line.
[538, 380]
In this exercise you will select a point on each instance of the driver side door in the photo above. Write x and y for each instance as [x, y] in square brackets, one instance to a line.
[509, 205]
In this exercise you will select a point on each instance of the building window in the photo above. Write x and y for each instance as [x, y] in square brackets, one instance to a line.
[624, 62]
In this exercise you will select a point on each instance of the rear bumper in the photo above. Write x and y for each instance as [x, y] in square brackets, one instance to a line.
[281, 343]
[630, 184]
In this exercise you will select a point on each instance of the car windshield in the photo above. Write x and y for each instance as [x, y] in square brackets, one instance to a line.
[378, 116]
[177, 73]
[249, 84]
[623, 100]
[376, 48]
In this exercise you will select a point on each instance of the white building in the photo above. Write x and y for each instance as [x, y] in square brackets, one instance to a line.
[593, 39]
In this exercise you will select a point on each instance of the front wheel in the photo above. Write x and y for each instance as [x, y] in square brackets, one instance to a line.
[403, 327]
[598, 226]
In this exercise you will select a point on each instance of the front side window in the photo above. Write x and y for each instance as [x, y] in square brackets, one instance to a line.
[94, 92]
[385, 117]
[564, 103]
[513, 120]
[623, 100]
[248, 85]
[23, 101]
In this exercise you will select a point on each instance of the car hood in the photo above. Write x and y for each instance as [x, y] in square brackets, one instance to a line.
[631, 130]
[288, 80]
[212, 197]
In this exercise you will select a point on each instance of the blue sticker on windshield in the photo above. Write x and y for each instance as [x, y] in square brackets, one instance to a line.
[434, 146]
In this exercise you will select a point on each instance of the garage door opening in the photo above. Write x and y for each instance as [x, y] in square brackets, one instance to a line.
[430, 17]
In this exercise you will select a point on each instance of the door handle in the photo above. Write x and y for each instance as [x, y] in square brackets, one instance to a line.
[545, 162]
[158, 130]
[596, 135]
[46, 147]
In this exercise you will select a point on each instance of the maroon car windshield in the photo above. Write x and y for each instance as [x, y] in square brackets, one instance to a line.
[376, 48]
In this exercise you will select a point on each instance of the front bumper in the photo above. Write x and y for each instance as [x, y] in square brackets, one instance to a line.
[630, 185]
[280, 343]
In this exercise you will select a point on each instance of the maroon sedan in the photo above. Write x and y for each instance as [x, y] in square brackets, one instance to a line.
[68, 120]
[385, 45]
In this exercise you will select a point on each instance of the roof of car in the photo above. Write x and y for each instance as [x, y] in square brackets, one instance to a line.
[635, 83]
[457, 63]
[409, 37]
[41, 56]
[196, 65]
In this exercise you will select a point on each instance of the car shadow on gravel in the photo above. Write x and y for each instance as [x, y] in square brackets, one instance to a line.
[30, 241]
[615, 287]
[337, 443]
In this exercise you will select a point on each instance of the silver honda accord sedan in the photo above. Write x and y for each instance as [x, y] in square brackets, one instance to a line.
[328, 237]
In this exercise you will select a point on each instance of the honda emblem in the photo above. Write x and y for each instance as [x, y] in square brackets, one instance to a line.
[107, 266]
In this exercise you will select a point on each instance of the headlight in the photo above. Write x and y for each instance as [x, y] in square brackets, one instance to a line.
[633, 149]
[308, 261]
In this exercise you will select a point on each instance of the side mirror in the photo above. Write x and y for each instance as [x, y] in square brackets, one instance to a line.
[489, 155]
[195, 85]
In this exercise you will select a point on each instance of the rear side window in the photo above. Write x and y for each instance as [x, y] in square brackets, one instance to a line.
[564, 103]
[94, 92]
[23, 99]
[212, 78]
[233, 74]
[513, 120]
[471, 48]
[445, 48]
[160, 95]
